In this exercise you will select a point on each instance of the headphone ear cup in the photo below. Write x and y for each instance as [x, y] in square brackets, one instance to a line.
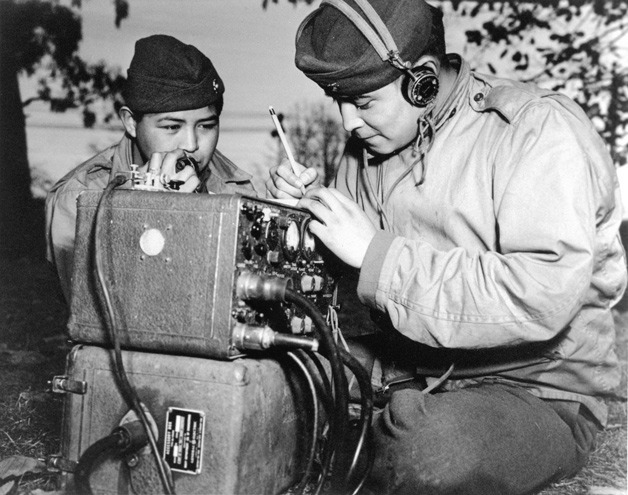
[420, 86]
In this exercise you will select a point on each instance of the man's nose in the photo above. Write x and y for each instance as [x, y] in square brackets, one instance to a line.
[190, 141]
[350, 118]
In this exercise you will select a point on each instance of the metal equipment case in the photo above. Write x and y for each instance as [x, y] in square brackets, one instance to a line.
[253, 439]
[172, 262]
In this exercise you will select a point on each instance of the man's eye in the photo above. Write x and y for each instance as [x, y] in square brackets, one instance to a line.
[210, 125]
[364, 106]
[173, 127]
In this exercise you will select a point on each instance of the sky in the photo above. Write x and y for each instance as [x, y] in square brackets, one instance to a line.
[252, 48]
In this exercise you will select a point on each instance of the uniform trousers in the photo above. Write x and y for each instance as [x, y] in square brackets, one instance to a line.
[486, 439]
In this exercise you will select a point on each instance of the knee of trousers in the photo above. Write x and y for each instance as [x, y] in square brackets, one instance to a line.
[415, 452]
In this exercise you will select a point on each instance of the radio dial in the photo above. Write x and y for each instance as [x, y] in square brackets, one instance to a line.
[291, 240]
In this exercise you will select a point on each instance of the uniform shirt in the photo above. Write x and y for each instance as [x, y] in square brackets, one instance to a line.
[500, 251]
[95, 174]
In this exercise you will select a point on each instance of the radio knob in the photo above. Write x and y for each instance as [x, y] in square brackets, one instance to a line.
[261, 249]
[296, 324]
[311, 283]
[307, 324]
[307, 283]
[272, 257]
[256, 230]
[318, 283]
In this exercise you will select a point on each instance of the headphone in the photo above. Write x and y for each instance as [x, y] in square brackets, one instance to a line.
[420, 84]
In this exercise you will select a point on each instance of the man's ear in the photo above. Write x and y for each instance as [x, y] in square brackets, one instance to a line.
[430, 62]
[128, 121]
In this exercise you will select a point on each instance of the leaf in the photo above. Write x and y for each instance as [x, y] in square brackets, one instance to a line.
[122, 11]
[476, 9]
[474, 36]
[18, 465]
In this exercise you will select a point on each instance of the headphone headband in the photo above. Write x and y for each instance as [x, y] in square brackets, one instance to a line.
[379, 38]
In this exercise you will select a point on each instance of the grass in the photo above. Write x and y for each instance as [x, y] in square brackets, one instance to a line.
[33, 348]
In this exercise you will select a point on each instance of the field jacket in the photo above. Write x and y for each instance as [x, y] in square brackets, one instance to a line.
[499, 252]
[95, 174]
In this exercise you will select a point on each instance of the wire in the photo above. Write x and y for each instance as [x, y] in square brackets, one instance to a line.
[252, 286]
[328, 404]
[308, 468]
[371, 190]
[90, 456]
[332, 321]
[129, 437]
[340, 423]
[128, 391]
[366, 412]
[440, 380]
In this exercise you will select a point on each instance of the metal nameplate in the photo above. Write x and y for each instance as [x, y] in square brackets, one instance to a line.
[183, 442]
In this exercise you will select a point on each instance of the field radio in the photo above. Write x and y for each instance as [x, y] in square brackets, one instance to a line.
[207, 310]
[181, 267]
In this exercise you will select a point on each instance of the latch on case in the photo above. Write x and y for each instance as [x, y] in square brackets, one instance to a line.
[56, 463]
[61, 384]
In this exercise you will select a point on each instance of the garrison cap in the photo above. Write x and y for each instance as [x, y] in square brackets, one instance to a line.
[335, 54]
[167, 75]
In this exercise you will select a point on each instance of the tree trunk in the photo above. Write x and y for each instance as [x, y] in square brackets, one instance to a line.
[15, 180]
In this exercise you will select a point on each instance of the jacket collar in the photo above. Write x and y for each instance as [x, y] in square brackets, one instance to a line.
[449, 108]
[458, 91]
[220, 167]
[227, 170]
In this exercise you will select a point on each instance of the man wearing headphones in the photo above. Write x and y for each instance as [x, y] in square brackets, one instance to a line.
[173, 98]
[482, 215]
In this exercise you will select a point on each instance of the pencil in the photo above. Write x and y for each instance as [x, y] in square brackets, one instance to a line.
[284, 142]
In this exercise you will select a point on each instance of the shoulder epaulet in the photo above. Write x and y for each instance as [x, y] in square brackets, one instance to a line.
[507, 97]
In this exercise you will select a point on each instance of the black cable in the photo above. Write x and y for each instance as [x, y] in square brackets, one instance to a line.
[129, 437]
[328, 404]
[86, 463]
[340, 422]
[366, 413]
[251, 286]
[326, 392]
[310, 461]
[370, 458]
[127, 390]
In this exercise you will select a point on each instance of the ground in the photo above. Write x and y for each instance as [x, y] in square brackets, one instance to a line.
[33, 347]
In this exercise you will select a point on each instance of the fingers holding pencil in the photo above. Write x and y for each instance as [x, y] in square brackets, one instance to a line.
[283, 183]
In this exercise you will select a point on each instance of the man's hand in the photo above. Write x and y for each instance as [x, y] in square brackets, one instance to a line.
[283, 183]
[340, 224]
[163, 166]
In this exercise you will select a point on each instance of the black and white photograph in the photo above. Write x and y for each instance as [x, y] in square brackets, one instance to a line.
[313, 247]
